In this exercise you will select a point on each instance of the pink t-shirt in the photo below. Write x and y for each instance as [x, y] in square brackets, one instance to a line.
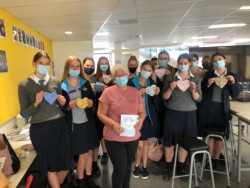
[120, 102]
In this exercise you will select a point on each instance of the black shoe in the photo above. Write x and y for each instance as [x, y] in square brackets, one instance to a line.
[137, 171]
[96, 169]
[81, 183]
[91, 184]
[167, 174]
[104, 159]
[144, 174]
[181, 172]
[214, 164]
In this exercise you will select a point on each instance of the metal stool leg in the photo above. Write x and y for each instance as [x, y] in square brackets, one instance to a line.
[226, 162]
[211, 169]
[232, 140]
[191, 170]
[175, 162]
[195, 172]
[203, 165]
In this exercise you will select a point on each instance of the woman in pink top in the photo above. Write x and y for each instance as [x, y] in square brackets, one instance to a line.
[115, 101]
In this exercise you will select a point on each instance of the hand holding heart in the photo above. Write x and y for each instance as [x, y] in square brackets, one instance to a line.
[61, 100]
[72, 104]
[90, 102]
[39, 98]
[192, 86]
[173, 85]
[82, 103]
[230, 79]
[210, 81]
[142, 91]
[157, 91]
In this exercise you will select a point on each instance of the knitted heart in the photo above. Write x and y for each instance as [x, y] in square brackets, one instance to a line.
[160, 73]
[221, 81]
[106, 78]
[50, 97]
[150, 90]
[183, 84]
[82, 103]
[99, 87]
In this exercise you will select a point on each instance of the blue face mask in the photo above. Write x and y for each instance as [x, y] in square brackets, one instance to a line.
[163, 63]
[145, 74]
[104, 68]
[219, 64]
[42, 69]
[183, 68]
[121, 81]
[194, 64]
[74, 73]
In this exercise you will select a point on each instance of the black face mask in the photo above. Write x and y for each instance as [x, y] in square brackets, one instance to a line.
[132, 70]
[88, 71]
[207, 66]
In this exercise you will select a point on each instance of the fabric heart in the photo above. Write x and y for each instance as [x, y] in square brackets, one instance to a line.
[82, 103]
[50, 97]
[183, 84]
[150, 90]
[99, 87]
[106, 78]
[160, 73]
[221, 81]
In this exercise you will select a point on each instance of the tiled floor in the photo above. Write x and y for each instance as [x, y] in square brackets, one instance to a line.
[155, 178]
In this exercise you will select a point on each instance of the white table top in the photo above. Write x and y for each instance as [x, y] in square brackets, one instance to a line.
[237, 106]
[25, 163]
[244, 116]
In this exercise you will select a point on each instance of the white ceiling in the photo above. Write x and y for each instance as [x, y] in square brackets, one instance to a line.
[145, 22]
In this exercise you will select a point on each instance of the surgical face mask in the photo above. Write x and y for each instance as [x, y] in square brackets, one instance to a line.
[145, 74]
[194, 64]
[163, 63]
[88, 71]
[132, 70]
[104, 68]
[42, 69]
[219, 64]
[121, 81]
[183, 68]
[74, 73]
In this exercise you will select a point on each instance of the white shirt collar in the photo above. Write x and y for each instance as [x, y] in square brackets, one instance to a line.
[36, 79]
[179, 77]
[216, 73]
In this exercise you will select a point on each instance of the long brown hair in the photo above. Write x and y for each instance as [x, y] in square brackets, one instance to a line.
[99, 71]
[66, 67]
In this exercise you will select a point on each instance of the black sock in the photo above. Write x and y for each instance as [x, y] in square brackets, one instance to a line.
[169, 165]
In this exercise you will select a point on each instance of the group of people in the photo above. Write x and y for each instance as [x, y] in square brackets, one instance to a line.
[71, 117]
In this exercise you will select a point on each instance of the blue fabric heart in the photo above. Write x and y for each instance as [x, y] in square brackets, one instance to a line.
[99, 87]
[50, 97]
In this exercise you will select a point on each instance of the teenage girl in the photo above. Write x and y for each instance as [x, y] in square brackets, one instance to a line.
[150, 124]
[48, 132]
[180, 116]
[214, 109]
[83, 135]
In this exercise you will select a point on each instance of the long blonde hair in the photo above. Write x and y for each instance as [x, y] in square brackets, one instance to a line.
[66, 67]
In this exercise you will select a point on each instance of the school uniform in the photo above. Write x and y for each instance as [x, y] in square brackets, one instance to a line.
[48, 132]
[180, 119]
[150, 124]
[80, 121]
[214, 109]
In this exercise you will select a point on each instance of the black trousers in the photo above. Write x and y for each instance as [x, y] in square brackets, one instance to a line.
[121, 155]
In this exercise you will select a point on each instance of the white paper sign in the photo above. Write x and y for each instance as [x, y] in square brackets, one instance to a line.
[2, 161]
[128, 122]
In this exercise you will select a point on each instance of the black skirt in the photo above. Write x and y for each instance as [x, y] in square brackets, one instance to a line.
[148, 130]
[84, 138]
[177, 125]
[215, 119]
[51, 142]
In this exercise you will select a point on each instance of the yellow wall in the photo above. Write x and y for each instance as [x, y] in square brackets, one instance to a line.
[19, 59]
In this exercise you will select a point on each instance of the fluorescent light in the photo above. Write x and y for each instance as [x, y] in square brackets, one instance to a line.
[218, 44]
[205, 37]
[192, 44]
[245, 8]
[102, 34]
[241, 40]
[68, 32]
[226, 25]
